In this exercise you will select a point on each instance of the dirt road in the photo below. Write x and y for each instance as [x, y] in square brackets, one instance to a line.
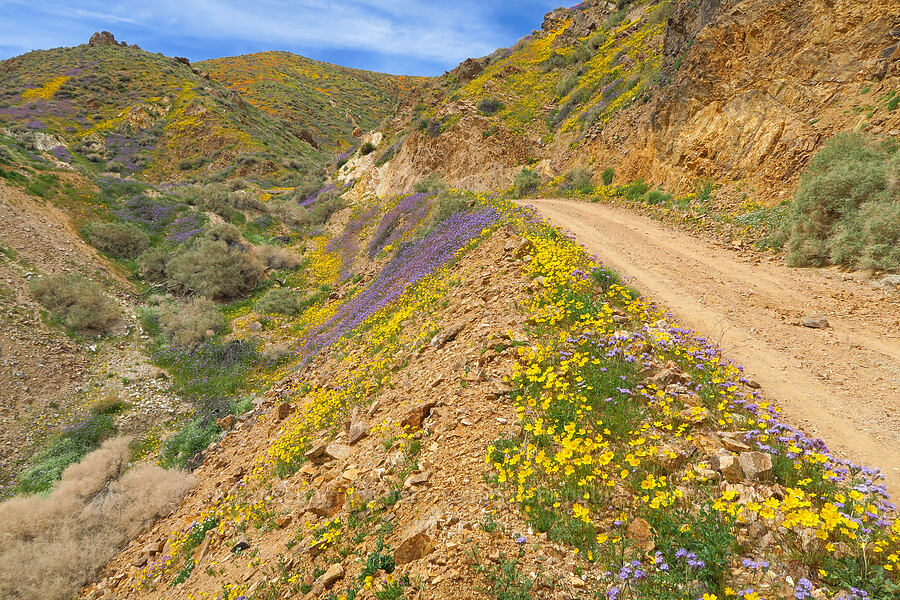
[841, 383]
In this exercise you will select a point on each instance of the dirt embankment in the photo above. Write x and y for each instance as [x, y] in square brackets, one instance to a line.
[841, 383]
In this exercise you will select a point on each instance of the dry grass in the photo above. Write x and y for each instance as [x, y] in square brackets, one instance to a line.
[51, 546]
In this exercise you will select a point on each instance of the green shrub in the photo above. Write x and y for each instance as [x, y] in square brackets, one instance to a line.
[119, 240]
[153, 264]
[75, 301]
[445, 204]
[526, 181]
[193, 438]
[615, 19]
[290, 213]
[845, 208]
[566, 84]
[554, 61]
[505, 582]
[488, 106]
[703, 190]
[214, 268]
[580, 180]
[881, 232]
[431, 183]
[605, 278]
[634, 190]
[656, 196]
[326, 205]
[367, 148]
[281, 300]
[188, 324]
[607, 176]
[582, 53]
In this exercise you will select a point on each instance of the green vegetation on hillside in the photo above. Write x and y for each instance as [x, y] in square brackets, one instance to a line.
[124, 110]
[325, 101]
[847, 207]
[566, 79]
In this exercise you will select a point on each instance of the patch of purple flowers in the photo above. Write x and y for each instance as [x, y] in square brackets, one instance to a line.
[803, 589]
[311, 199]
[61, 153]
[347, 244]
[123, 150]
[150, 213]
[398, 221]
[185, 228]
[413, 262]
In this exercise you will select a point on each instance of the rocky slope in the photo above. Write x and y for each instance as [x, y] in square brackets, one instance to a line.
[477, 417]
[671, 92]
[438, 394]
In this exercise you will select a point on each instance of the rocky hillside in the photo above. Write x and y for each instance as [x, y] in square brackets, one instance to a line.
[671, 92]
[106, 107]
[384, 387]
[317, 101]
[486, 412]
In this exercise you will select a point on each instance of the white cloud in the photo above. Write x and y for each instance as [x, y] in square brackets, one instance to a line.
[435, 32]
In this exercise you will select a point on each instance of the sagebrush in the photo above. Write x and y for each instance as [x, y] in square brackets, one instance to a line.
[75, 301]
[53, 545]
[188, 324]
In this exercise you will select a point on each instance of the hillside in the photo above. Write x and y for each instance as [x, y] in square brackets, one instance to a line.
[670, 92]
[112, 108]
[314, 99]
[381, 375]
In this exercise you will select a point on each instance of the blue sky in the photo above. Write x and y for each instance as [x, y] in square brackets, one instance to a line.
[395, 36]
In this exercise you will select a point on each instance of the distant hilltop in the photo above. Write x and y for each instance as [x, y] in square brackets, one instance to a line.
[105, 38]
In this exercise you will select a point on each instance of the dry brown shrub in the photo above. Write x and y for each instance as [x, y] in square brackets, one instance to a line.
[187, 324]
[278, 258]
[51, 546]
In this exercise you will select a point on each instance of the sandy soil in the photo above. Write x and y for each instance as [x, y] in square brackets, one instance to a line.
[841, 383]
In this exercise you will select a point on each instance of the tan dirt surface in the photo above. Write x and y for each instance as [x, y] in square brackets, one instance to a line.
[841, 383]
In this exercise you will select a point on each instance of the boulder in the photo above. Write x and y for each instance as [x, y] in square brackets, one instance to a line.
[283, 521]
[358, 430]
[756, 466]
[337, 451]
[327, 501]
[414, 544]
[732, 442]
[468, 70]
[103, 38]
[414, 418]
[284, 409]
[307, 137]
[447, 335]
[640, 532]
[727, 464]
[334, 573]
[814, 322]
[524, 249]
[415, 480]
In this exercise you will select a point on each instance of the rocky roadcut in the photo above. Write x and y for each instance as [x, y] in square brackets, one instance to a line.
[518, 419]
